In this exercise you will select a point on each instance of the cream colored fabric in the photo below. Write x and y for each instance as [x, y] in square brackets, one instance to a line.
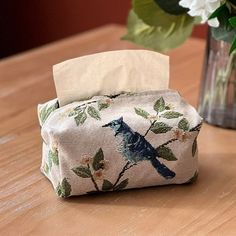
[73, 140]
[110, 73]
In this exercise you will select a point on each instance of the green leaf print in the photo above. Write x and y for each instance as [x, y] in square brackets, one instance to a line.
[49, 163]
[103, 105]
[166, 153]
[82, 171]
[183, 124]
[141, 112]
[94, 113]
[99, 156]
[160, 127]
[53, 156]
[159, 105]
[46, 111]
[63, 189]
[80, 118]
[46, 168]
[72, 113]
[121, 185]
[107, 185]
[171, 114]
[58, 189]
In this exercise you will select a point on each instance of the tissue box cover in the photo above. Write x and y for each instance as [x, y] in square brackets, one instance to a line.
[120, 142]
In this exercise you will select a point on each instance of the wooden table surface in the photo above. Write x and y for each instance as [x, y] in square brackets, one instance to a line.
[28, 205]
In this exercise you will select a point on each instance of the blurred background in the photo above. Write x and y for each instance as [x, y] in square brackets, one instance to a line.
[27, 24]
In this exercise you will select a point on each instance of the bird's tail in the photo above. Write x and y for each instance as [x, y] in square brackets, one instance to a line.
[162, 169]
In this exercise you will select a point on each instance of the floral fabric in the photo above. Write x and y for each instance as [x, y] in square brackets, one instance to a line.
[115, 143]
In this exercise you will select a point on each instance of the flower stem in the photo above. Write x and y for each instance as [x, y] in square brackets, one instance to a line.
[93, 180]
[85, 104]
[126, 167]
[149, 128]
[152, 123]
[168, 142]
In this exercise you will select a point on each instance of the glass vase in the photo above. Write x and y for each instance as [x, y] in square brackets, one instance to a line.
[217, 104]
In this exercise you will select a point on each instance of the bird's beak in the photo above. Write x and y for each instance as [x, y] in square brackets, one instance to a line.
[106, 125]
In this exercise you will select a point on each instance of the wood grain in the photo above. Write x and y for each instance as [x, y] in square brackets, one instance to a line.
[28, 205]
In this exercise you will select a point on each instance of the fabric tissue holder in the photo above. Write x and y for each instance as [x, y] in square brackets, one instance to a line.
[115, 125]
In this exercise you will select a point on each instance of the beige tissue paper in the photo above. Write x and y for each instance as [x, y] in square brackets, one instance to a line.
[110, 73]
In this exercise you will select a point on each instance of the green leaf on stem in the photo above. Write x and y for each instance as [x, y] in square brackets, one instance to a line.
[184, 124]
[141, 112]
[218, 12]
[171, 114]
[94, 113]
[160, 127]
[165, 153]
[225, 31]
[233, 46]
[46, 110]
[107, 185]
[53, 156]
[82, 171]
[159, 105]
[63, 189]
[99, 156]
[80, 118]
[232, 21]
[72, 113]
[123, 184]
[103, 105]
[46, 168]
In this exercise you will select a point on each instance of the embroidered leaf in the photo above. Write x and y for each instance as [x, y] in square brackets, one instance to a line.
[99, 156]
[103, 104]
[160, 127]
[183, 124]
[107, 185]
[171, 114]
[165, 153]
[79, 109]
[94, 113]
[141, 112]
[53, 156]
[121, 185]
[46, 111]
[58, 189]
[65, 188]
[72, 113]
[49, 162]
[194, 147]
[46, 168]
[159, 105]
[80, 118]
[82, 171]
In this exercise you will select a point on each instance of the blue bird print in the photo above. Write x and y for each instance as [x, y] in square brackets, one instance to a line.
[135, 148]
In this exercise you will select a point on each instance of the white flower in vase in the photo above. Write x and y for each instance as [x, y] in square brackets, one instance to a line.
[202, 8]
